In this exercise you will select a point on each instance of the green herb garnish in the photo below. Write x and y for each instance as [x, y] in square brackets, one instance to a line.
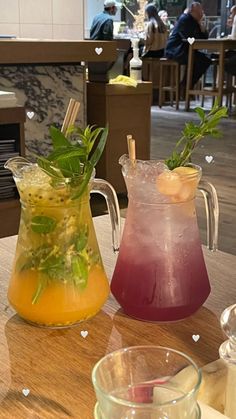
[193, 133]
[65, 262]
[82, 239]
[79, 271]
[42, 224]
[73, 158]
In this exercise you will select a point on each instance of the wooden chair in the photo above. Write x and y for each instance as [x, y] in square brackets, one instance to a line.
[230, 90]
[170, 69]
[215, 65]
[229, 85]
[151, 71]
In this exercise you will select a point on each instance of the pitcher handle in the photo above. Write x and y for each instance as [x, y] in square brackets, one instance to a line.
[212, 213]
[106, 189]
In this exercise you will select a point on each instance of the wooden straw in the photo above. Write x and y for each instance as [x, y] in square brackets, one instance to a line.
[131, 149]
[67, 116]
[74, 113]
[129, 137]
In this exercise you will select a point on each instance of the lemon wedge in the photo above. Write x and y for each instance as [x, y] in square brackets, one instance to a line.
[185, 170]
[169, 183]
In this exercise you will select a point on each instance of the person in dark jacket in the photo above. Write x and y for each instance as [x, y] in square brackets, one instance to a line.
[230, 65]
[102, 25]
[188, 26]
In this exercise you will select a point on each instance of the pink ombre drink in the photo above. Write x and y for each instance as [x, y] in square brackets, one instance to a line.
[160, 273]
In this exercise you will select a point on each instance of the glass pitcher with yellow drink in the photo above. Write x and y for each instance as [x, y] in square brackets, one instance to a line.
[58, 277]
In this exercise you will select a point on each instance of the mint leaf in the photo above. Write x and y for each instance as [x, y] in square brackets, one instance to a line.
[79, 268]
[70, 164]
[100, 147]
[89, 136]
[67, 152]
[200, 112]
[82, 239]
[49, 168]
[42, 224]
[86, 178]
[58, 138]
[53, 266]
[60, 151]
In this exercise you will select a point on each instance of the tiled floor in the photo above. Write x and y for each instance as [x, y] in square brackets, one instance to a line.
[166, 128]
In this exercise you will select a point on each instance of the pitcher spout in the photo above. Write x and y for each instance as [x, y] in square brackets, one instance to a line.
[16, 165]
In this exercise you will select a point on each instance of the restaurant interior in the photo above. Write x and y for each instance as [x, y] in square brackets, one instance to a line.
[117, 209]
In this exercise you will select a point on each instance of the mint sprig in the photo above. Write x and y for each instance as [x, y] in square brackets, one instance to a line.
[42, 224]
[75, 157]
[193, 134]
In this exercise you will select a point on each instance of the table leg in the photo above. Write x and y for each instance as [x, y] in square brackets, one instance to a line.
[177, 81]
[221, 73]
[189, 76]
[161, 85]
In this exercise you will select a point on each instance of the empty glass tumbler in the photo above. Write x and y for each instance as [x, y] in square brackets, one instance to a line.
[146, 382]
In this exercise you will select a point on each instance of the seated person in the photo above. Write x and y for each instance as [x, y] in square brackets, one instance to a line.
[165, 19]
[230, 65]
[102, 25]
[188, 25]
[156, 34]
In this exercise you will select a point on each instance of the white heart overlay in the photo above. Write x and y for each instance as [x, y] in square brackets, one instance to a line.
[26, 392]
[191, 41]
[195, 338]
[209, 159]
[30, 114]
[98, 50]
[84, 333]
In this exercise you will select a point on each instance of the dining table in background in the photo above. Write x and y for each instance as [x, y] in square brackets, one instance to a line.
[46, 373]
[217, 45]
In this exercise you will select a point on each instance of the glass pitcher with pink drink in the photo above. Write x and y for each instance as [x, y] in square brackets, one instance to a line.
[160, 273]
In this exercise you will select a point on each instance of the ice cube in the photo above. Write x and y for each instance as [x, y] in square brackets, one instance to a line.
[33, 174]
[147, 170]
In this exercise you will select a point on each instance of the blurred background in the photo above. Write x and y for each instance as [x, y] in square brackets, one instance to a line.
[71, 19]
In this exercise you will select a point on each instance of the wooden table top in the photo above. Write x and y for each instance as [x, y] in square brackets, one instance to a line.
[220, 45]
[214, 43]
[56, 365]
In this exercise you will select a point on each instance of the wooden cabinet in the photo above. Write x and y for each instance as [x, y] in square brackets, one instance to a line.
[11, 128]
[126, 110]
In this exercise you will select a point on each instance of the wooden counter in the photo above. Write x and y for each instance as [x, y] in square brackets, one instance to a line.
[34, 51]
[44, 75]
[56, 365]
[126, 110]
[11, 128]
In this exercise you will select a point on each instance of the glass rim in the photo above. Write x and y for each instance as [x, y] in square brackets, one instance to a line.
[187, 176]
[66, 180]
[96, 407]
[127, 403]
[20, 162]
